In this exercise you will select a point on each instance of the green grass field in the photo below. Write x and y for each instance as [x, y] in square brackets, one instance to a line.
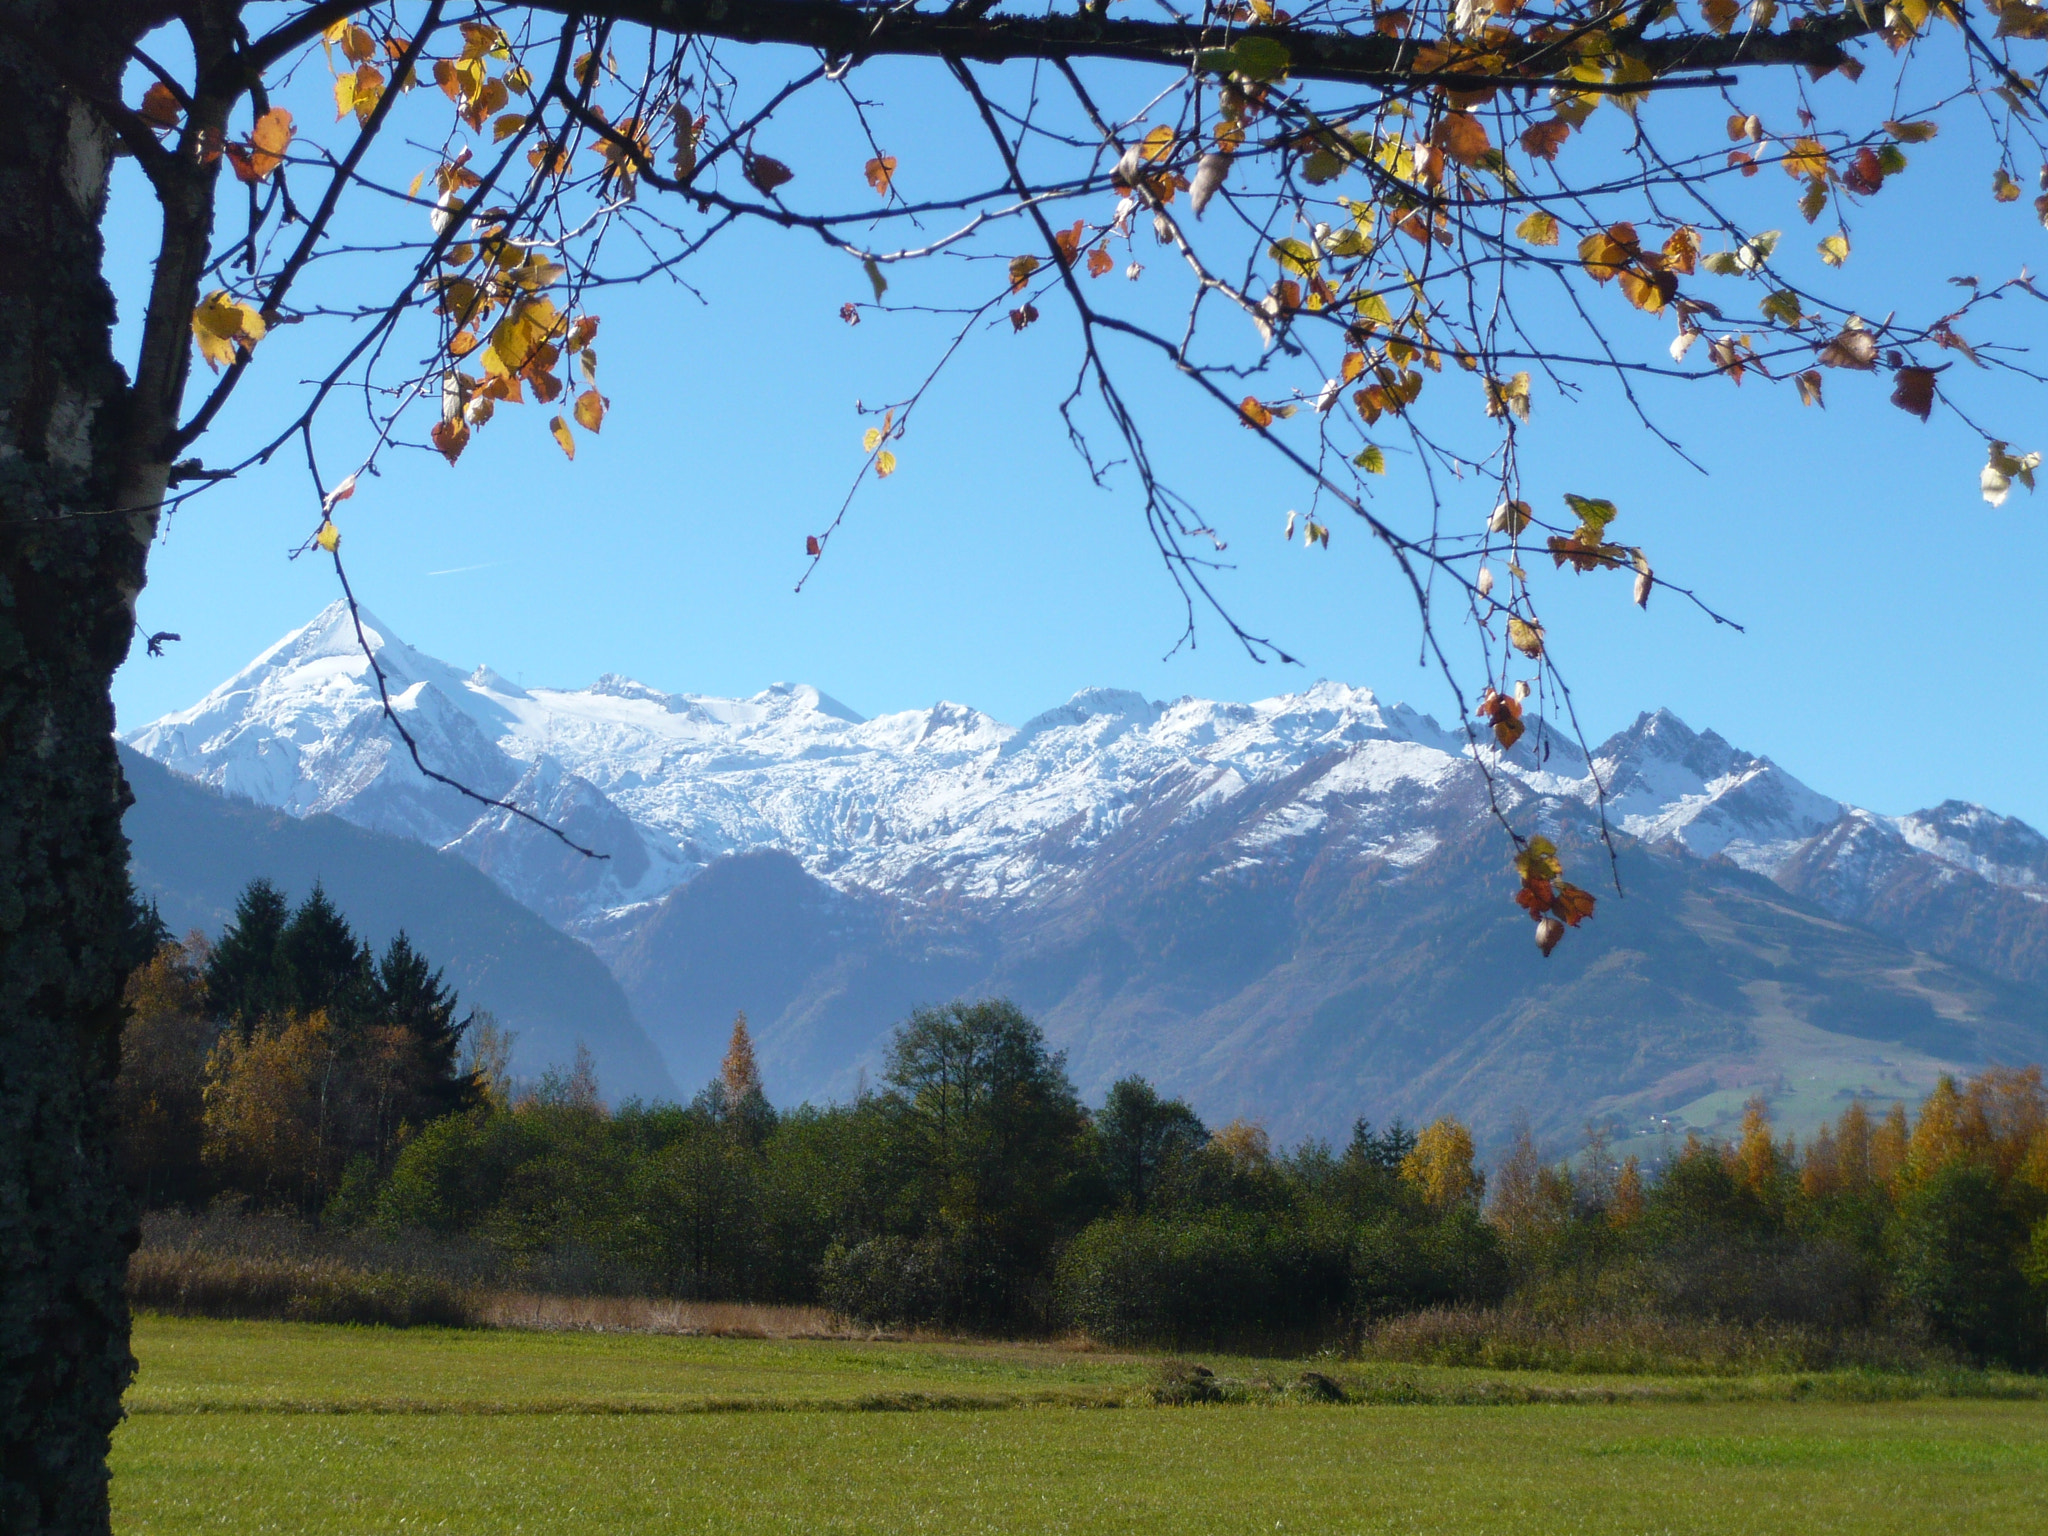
[278, 1427]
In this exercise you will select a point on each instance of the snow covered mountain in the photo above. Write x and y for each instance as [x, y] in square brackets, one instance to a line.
[939, 803]
[936, 851]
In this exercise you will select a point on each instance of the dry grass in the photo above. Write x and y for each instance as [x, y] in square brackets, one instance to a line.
[1511, 1338]
[303, 1290]
[639, 1314]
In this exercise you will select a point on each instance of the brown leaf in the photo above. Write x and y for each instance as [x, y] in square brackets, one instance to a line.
[1253, 413]
[812, 547]
[1099, 262]
[160, 108]
[1543, 140]
[765, 174]
[1462, 136]
[881, 171]
[451, 437]
[1913, 390]
[1851, 349]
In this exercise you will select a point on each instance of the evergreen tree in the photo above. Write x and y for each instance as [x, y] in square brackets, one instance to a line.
[324, 967]
[411, 997]
[243, 978]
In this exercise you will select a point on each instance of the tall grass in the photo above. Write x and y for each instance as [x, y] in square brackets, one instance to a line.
[1636, 1343]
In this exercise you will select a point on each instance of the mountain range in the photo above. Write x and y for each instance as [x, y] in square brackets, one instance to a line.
[1295, 909]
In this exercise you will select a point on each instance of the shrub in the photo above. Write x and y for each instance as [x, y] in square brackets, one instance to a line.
[190, 1284]
[886, 1281]
[1219, 1277]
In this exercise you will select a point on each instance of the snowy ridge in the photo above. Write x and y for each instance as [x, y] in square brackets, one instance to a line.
[946, 803]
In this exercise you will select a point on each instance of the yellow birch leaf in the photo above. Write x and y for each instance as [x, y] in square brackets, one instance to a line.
[589, 413]
[329, 537]
[560, 428]
[885, 464]
[1538, 229]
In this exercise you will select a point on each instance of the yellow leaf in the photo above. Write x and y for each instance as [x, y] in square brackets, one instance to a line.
[1021, 268]
[560, 428]
[1835, 250]
[590, 410]
[329, 537]
[885, 464]
[1526, 637]
[1157, 144]
[506, 126]
[1538, 229]
[872, 439]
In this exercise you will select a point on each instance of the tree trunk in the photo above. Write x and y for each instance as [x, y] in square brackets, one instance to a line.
[71, 562]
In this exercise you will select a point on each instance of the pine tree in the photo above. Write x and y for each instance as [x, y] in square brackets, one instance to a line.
[243, 980]
[411, 997]
[324, 966]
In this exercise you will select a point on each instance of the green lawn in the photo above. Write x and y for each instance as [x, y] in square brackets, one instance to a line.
[275, 1427]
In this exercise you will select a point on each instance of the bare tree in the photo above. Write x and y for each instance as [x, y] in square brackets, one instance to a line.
[1321, 222]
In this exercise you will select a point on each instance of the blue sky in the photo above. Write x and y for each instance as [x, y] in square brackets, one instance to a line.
[1888, 609]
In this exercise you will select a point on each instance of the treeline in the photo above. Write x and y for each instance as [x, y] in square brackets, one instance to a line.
[974, 1190]
[286, 1064]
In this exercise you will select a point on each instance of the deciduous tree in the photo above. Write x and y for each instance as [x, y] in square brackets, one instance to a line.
[1391, 231]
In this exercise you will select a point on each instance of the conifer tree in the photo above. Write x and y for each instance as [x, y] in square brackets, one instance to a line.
[738, 1073]
[411, 998]
[242, 975]
[323, 966]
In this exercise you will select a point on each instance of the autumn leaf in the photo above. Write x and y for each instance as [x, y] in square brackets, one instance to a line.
[881, 172]
[1806, 158]
[1573, 905]
[1851, 349]
[1835, 250]
[2004, 468]
[1526, 637]
[1543, 140]
[1463, 137]
[1809, 385]
[1021, 268]
[221, 323]
[264, 153]
[1538, 229]
[450, 437]
[1099, 262]
[764, 174]
[885, 464]
[1913, 390]
[1605, 252]
[329, 537]
[563, 435]
[2003, 187]
[589, 411]
[1912, 133]
[1253, 413]
[1067, 242]
[1157, 144]
[812, 547]
[1505, 395]
[160, 107]
[1537, 860]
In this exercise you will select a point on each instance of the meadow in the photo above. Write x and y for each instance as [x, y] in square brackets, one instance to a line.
[263, 1426]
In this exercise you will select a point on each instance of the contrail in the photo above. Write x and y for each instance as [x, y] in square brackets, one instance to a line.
[459, 569]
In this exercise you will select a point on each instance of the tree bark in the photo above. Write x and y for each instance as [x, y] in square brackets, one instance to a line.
[71, 563]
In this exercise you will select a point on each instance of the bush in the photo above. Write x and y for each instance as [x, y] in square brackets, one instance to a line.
[1217, 1278]
[886, 1281]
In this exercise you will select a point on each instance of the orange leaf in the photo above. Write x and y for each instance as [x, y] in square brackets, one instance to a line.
[881, 171]
[273, 131]
[812, 547]
[1099, 262]
[160, 108]
[1462, 136]
[1254, 414]
[451, 437]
